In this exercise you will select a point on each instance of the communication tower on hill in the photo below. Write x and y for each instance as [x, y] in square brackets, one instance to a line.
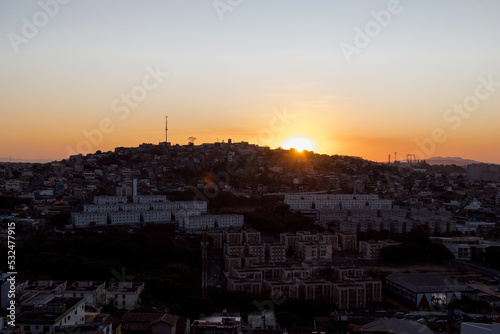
[166, 129]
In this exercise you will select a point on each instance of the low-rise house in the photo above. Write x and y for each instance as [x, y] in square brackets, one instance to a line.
[148, 323]
[94, 292]
[125, 295]
[57, 312]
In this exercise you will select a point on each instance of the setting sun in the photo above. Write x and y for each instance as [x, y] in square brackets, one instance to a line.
[299, 144]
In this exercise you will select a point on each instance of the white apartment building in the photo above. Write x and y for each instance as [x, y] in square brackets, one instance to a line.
[110, 199]
[101, 207]
[234, 250]
[149, 209]
[401, 226]
[156, 216]
[135, 207]
[290, 240]
[349, 296]
[125, 295]
[317, 290]
[348, 241]
[370, 250]
[180, 214]
[329, 238]
[85, 219]
[257, 250]
[125, 217]
[275, 253]
[229, 220]
[198, 205]
[167, 205]
[308, 251]
[251, 236]
[147, 199]
[94, 292]
[308, 202]
[170, 206]
[198, 223]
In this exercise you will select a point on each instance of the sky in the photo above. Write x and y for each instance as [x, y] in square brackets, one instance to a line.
[361, 78]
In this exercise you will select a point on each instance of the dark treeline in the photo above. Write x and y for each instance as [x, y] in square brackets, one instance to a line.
[416, 247]
[170, 266]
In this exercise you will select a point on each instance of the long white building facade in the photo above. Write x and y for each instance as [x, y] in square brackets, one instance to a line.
[198, 223]
[115, 210]
[313, 202]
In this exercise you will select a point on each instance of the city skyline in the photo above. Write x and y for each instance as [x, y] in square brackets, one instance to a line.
[366, 79]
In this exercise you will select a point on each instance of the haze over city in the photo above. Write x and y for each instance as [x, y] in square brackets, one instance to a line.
[364, 78]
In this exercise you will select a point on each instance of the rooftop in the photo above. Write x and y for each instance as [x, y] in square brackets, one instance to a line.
[427, 282]
[49, 312]
[397, 326]
[133, 320]
[124, 287]
[85, 286]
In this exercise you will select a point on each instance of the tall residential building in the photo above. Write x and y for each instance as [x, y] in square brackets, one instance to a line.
[348, 241]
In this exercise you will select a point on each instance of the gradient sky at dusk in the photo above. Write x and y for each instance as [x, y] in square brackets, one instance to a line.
[231, 77]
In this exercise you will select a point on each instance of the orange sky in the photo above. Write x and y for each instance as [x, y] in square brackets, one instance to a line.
[101, 75]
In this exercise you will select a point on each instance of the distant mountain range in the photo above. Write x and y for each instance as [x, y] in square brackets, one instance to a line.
[450, 161]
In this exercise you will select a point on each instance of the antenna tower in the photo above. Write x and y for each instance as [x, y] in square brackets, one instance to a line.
[166, 129]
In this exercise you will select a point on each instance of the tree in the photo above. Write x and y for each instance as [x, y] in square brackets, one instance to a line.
[419, 236]
[439, 253]
[491, 256]
[60, 219]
